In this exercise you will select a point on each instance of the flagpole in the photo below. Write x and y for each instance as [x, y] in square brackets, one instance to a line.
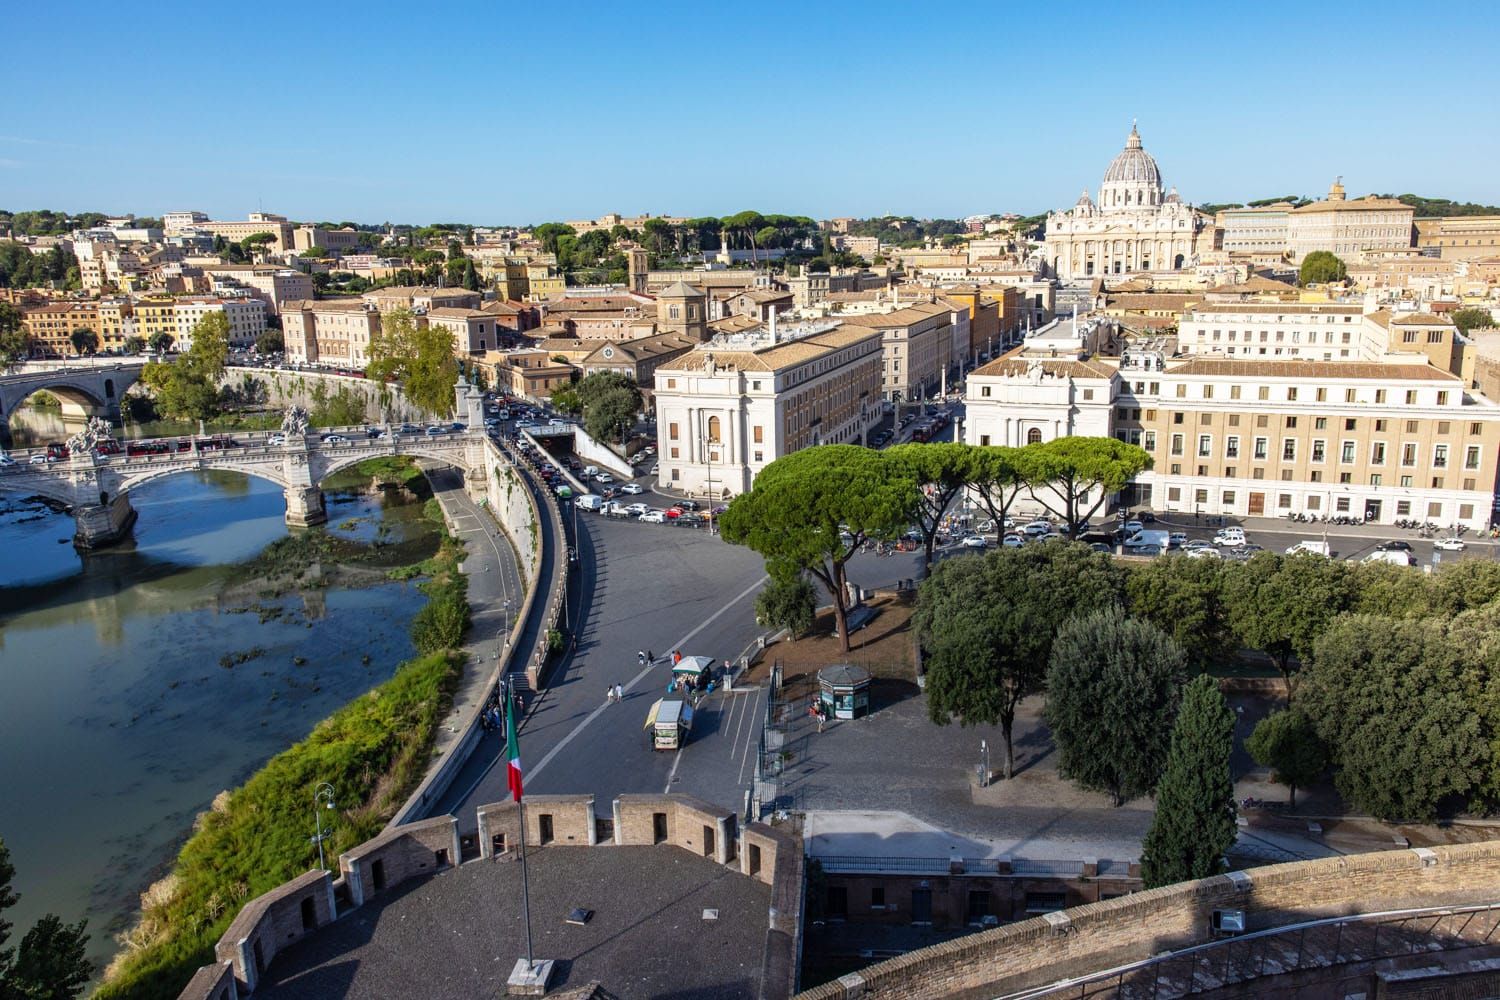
[514, 737]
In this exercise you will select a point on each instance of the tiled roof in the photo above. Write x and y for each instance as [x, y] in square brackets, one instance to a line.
[1421, 319]
[1013, 365]
[777, 357]
[1312, 370]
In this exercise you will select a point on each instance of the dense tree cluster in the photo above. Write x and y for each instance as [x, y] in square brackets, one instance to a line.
[420, 358]
[187, 387]
[609, 402]
[1472, 318]
[20, 268]
[1321, 267]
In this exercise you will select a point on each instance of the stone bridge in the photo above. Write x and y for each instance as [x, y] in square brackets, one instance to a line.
[97, 487]
[86, 389]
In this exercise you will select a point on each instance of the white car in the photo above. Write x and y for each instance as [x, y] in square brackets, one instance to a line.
[1449, 544]
[1013, 541]
[652, 471]
[276, 440]
[6, 461]
[1203, 553]
[1037, 528]
[40, 458]
[335, 439]
[604, 478]
[654, 517]
[637, 509]
[1177, 539]
[973, 542]
[632, 488]
[1230, 537]
[1133, 527]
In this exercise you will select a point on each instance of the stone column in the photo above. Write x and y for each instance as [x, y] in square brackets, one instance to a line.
[304, 506]
[103, 524]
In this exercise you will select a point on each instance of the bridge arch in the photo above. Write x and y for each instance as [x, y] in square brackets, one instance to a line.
[269, 472]
[455, 457]
[81, 400]
[56, 490]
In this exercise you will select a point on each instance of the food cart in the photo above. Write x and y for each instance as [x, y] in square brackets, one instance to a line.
[694, 671]
[669, 721]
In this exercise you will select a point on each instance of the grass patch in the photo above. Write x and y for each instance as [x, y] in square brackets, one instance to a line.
[388, 470]
[374, 751]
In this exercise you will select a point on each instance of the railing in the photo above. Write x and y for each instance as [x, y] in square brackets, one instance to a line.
[1276, 951]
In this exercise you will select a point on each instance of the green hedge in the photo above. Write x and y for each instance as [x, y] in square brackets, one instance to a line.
[373, 751]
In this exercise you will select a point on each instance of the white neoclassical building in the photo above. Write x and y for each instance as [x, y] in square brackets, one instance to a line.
[1134, 227]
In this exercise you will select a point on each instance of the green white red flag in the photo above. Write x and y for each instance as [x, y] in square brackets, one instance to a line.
[512, 751]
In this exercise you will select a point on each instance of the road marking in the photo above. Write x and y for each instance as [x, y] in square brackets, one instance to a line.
[672, 776]
[646, 670]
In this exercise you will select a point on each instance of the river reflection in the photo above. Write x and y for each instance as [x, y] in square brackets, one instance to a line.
[123, 710]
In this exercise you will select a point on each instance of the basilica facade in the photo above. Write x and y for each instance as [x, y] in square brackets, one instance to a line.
[1134, 226]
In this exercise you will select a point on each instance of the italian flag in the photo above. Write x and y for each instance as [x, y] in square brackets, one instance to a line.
[512, 751]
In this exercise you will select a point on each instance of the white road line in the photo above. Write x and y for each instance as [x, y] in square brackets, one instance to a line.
[671, 777]
[734, 741]
[646, 670]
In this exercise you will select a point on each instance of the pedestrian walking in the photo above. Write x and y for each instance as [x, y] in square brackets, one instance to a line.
[822, 716]
[676, 657]
[640, 657]
[650, 656]
[619, 694]
[609, 694]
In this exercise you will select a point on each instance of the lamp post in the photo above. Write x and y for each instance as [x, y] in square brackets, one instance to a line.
[322, 799]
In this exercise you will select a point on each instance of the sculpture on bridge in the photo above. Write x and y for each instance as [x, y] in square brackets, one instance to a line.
[295, 421]
[96, 429]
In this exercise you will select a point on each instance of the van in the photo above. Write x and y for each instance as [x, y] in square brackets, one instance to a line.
[1307, 545]
[589, 501]
[1148, 538]
[1395, 557]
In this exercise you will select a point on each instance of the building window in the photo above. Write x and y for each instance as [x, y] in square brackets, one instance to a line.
[1232, 447]
[1205, 445]
[759, 456]
[1374, 479]
[672, 431]
[671, 383]
[1350, 423]
[713, 430]
[1435, 508]
[1227, 498]
[984, 440]
[1377, 453]
[1261, 448]
[1291, 392]
[1234, 392]
[1148, 440]
[1442, 399]
[1174, 493]
[1264, 392]
[1208, 392]
[1341, 504]
[984, 391]
[1288, 449]
[1471, 457]
[1176, 444]
[1318, 451]
[1465, 511]
[1440, 456]
[1283, 501]
[674, 451]
[1181, 390]
[1088, 394]
[1034, 436]
[1346, 453]
[1403, 508]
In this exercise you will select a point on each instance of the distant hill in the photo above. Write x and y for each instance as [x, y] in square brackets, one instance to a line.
[1432, 207]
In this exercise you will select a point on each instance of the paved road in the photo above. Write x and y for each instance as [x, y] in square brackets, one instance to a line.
[638, 586]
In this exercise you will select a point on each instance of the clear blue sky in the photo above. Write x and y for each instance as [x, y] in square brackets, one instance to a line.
[523, 112]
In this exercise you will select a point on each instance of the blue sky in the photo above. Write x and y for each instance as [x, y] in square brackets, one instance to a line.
[523, 112]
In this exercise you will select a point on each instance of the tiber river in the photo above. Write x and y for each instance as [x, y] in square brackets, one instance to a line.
[122, 713]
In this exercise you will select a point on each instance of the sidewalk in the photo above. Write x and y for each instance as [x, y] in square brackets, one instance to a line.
[494, 578]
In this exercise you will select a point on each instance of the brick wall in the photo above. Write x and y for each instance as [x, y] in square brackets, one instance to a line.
[1100, 935]
[570, 818]
[272, 921]
[384, 862]
[1007, 895]
[212, 982]
[691, 824]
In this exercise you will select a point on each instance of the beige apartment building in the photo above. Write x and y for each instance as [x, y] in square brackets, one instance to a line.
[921, 342]
[330, 331]
[275, 286]
[1463, 237]
[246, 317]
[422, 297]
[51, 325]
[474, 330]
[1254, 438]
[258, 222]
[310, 237]
[1318, 331]
[1346, 228]
[1258, 230]
[728, 408]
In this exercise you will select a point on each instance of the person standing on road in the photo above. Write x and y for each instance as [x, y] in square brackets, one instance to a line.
[619, 694]
[640, 657]
[650, 657]
[609, 694]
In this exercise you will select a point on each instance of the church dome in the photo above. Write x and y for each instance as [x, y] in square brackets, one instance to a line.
[1134, 165]
[1132, 182]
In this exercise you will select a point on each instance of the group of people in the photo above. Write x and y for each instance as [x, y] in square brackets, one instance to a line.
[493, 716]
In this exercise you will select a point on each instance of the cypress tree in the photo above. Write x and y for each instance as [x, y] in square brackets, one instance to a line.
[1194, 822]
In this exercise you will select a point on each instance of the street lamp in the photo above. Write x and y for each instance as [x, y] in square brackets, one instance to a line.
[322, 799]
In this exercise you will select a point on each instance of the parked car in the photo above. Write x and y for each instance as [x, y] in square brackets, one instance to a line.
[1013, 541]
[1454, 544]
[1393, 547]
[686, 505]
[636, 509]
[1146, 550]
[973, 542]
[1231, 538]
[276, 440]
[1100, 547]
[1177, 539]
[1134, 527]
[604, 477]
[654, 517]
[40, 459]
[652, 471]
[673, 513]
[632, 488]
[1196, 545]
[1037, 528]
[1203, 553]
